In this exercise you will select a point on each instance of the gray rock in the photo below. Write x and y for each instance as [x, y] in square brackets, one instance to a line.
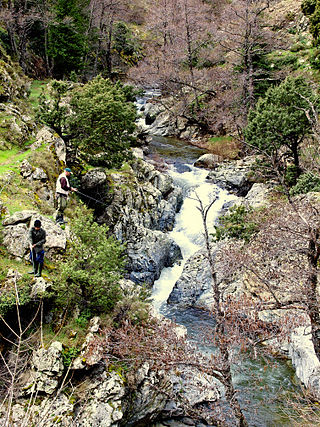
[40, 287]
[46, 369]
[26, 169]
[39, 175]
[235, 175]
[49, 137]
[93, 179]
[193, 388]
[257, 196]
[304, 359]
[151, 395]
[17, 217]
[209, 161]
[138, 153]
[149, 253]
[193, 282]
[103, 407]
[16, 239]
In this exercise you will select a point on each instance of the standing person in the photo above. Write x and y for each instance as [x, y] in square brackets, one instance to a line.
[37, 238]
[63, 189]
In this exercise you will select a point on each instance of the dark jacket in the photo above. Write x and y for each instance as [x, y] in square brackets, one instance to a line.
[38, 238]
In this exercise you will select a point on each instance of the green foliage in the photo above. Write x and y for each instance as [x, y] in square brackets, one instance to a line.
[235, 224]
[83, 319]
[8, 298]
[90, 275]
[51, 111]
[308, 7]
[69, 354]
[67, 39]
[278, 125]
[306, 182]
[103, 120]
[125, 44]
[291, 174]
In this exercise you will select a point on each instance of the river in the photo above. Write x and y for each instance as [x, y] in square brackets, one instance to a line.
[264, 384]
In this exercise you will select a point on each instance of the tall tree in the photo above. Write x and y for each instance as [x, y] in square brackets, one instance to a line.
[280, 123]
[66, 40]
[245, 38]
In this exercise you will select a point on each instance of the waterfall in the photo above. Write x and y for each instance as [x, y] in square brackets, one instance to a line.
[188, 229]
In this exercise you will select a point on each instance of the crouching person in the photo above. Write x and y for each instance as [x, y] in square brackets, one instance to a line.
[37, 238]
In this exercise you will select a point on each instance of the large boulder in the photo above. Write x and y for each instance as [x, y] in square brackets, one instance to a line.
[140, 207]
[209, 161]
[234, 176]
[16, 239]
[258, 195]
[102, 401]
[15, 233]
[304, 359]
[149, 251]
[151, 396]
[193, 282]
[46, 369]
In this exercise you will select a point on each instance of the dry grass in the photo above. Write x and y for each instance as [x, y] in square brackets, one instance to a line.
[225, 146]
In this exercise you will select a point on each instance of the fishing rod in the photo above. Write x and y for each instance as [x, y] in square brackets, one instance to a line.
[92, 198]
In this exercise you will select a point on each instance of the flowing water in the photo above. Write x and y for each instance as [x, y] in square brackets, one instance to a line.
[264, 384]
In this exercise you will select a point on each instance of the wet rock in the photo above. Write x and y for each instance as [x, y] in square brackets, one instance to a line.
[234, 176]
[149, 253]
[193, 282]
[209, 161]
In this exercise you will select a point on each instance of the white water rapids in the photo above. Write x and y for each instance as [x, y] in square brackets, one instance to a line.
[188, 229]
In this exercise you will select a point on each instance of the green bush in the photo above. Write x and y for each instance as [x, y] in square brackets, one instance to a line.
[103, 120]
[89, 278]
[8, 297]
[235, 224]
[306, 182]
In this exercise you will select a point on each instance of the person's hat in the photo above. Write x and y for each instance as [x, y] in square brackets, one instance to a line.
[68, 170]
[37, 223]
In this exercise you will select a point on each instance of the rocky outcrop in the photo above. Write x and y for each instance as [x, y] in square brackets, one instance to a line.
[160, 119]
[304, 359]
[193, 282]
[234, 176]
[257, 195]
[48, 137]
[15, 233]
[46, 370]
[14, 84]
[105, 395]
[140, 207]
